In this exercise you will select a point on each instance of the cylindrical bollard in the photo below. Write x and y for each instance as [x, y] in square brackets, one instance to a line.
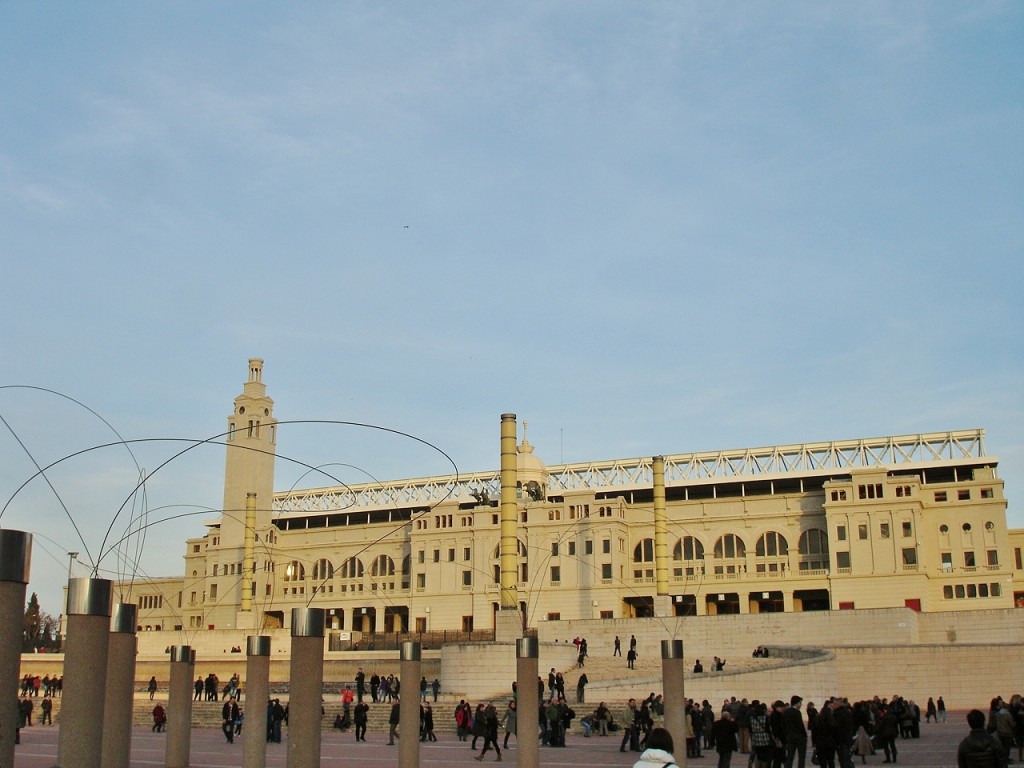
[527, 702]
[80, 742]
[675, 697]
[119, 701]
[179, 707]
[409, 706]
[15, 559]
[305, 687]
[257, 692]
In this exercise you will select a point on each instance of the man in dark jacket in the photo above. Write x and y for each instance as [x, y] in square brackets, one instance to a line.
[795, 733]
[979, 749]
[725, 738]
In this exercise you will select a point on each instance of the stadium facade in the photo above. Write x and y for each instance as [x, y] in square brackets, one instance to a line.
[913, 521]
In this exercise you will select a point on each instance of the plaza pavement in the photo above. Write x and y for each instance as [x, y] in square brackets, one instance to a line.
[38, 749]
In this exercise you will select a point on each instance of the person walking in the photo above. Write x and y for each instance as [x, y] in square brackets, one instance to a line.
[618, 647]
[511, 722]
[490, 732]
[152, 687]
[46, 707]
[393, 721]
[428, 723]
[359, 718]
[581, 686]
[159, 718]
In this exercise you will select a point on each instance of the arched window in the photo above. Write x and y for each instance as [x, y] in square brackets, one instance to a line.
[295, 571]
[772, 552]
[644, 551]
[813, 550]
[323, 570]
[496, 562]
[731, 551]
[382, 573]
[643, 558]
[352, 568]
[688, 549]
[382, 566]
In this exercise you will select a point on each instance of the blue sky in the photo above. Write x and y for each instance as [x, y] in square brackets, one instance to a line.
[643, 227]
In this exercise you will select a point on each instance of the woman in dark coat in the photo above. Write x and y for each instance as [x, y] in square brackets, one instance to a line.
[826, 737]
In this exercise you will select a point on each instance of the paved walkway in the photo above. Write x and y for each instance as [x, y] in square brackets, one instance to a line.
[38, 749]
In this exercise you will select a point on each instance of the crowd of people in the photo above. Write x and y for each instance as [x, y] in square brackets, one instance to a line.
[33, 685]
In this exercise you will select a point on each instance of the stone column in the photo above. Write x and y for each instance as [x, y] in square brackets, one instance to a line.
[257, 692]
[119, 701]
[527, 703]
[305, 687]
[409, 706]
[662, 600]
[508, 621]
[179, 707]
[80, 742]
[675, 697]
[15, 559]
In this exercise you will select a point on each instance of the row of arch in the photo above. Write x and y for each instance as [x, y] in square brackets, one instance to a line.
[812, 542]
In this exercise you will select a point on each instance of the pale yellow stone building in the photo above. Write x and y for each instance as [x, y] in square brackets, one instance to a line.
[913, 521]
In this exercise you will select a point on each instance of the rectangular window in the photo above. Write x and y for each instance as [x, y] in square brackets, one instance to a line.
[947, 591]
[840, 533]
[842, 559]
[983, 590]
[588, 547]
[556, 574]
[1018, 558]
[993, 557]
[986, 493]
[995, 589]
[908, 529]
[959, 591]
[554, 616]
[607, 614]
[213, 591]
[606, 546]
[420, 555]
[437, 555]
[554, 549]
[606, 570]
[467, 578]
[969, 560]
[466, 554]
[883, 530]
[572, 548]
[964, 494]
[421, 581]
[972, 590]
[451, 555]
[910, 556]
[940, 495]
[862, 531]
[870, 491]
[947, 560]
